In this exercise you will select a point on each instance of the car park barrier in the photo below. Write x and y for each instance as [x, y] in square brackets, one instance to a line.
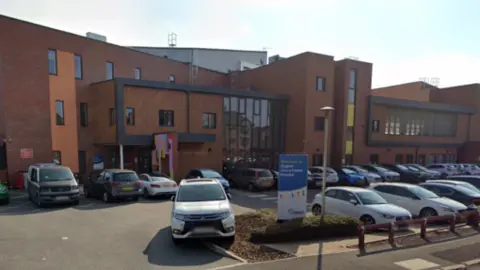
[471, 218]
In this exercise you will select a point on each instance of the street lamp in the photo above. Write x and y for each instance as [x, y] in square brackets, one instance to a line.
[327, 111]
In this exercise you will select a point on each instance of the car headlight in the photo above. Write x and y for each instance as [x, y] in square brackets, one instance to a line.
[447, 209]
[226, 184]
[179, 216]
[225, 215]
[75, 187]
[387, 216]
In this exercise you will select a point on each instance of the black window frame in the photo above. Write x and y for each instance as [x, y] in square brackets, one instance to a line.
[211, 120]
[54, 155]
[323, 84]
[111, 116]
[375, 126]
[75, 57]
[55, 72]
[84, 114]
[132, 122]
[139, 70]
[163, 118]
[82, 161]
[113, 70]
[319, 123]
[57, 119]
[374, 158]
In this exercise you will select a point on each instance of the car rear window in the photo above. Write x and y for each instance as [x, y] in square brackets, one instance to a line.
[265, 173]
[125, 177]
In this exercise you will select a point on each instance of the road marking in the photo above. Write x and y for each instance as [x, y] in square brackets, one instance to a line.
[227, 266]
[257, 196]
[416, 264]
[64, 238]
[269, 198]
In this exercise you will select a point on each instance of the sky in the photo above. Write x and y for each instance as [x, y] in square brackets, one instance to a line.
[405, 40]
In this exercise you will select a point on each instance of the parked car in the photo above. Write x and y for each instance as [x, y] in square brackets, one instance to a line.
[363, 204]
[418, 200]
[407, 175]
[371, 176]
[253, 179]
[155, 185]
[444, 169]
[317, 176]
[386, 174]
[49, 183]
[209, 173]
[347, 177]
[433, 174]
[4, 195]
[113, 184]
[201, 209]
[471, 179]
[470, 169]
[460, 169]
[455, 183]
[457, 193]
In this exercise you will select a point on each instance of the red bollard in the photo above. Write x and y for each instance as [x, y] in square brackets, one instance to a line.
[390, 233]
[452, 223]
[423, 229]
[361, 238]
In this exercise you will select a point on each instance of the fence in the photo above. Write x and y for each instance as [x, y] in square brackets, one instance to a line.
[471, 217]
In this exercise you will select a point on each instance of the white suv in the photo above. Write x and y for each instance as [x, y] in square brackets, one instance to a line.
[201, 209]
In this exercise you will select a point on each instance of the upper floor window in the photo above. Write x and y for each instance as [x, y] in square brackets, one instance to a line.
[320, 83]
[166, 118]
[110, 70]
[83, 114]
[130, 116]
[138, 74]
[209, 120]
[375, 126]
[319, 123]
[78, 67]
[60, 115]
[52, 62]
[111, 116]
[57, 157]
[171, 78]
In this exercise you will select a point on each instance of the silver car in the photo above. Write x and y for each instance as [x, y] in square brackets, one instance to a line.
[386, 174]
[371, 176]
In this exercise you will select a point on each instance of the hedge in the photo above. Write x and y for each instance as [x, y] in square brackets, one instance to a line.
[308, 228]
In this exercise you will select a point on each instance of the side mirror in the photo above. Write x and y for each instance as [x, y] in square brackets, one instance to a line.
[229, 196]
[354, 202]
[172, 198]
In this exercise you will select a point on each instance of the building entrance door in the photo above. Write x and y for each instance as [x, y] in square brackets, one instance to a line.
[144, 160]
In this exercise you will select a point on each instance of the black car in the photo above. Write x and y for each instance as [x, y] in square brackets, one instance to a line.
[431, 173]
[112, 184]
[457, 193]
[472, 179]
[406, 174]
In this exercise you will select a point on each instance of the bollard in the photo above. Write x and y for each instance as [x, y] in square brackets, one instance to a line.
[423, 229]
[390, 233]
[452, 224]
[361, 238]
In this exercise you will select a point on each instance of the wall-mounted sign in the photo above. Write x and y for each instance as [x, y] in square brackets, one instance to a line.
[26, 153]
[98, 163]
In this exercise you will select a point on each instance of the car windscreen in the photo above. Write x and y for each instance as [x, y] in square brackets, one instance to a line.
[413, 169]
[265, 173]
[467, 191]
[381, 169]
[55, 174]
[211, 174]
[200, 193]
[401, 167]
[422, 193]
[315, 170]
[348, 171]
[125, 177]
[359, 169]
[370, 197]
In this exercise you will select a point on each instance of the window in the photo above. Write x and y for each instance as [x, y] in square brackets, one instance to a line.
[130, 116]
[331, 193]
[317, 160]
[78, 67]
[110, 70]
[352, 86]
[57, 157]
[84, 114]
[111, 115]
[319, 123]
[171, 78]
[349, 134]
[348, 159]
[375, 126]
[320, 83]
[166, 118]
[374, 158]
[399, 158]
[410, 159]
[52, 62]
[60, 113]
[209, 120]
[138, 74]
[82, 161]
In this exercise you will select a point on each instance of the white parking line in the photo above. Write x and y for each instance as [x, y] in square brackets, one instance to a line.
[269, 198]
[257, 196]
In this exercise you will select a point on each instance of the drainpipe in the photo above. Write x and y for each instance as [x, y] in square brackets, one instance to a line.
[121, 156]
[188, 111]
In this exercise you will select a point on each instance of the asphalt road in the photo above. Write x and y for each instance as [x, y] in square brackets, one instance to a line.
[96, 236]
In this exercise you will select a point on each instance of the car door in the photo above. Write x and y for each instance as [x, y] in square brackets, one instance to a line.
[332, 203]
[406, 199]
[345, 203]
[33, 182]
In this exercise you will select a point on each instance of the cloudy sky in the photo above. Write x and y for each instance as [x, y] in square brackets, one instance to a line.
[405, 40]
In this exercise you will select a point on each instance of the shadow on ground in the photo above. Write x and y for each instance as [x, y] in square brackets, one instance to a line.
[161, 251]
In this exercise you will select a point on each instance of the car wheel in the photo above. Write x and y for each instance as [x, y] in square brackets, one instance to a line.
[38, 202]
[316, 210]
[86, 192]
[77, 202]
[146, 195]
[428, 212]
[135, 199]
[106, 197]
[343, 182]
[176, 241]
[367, 220]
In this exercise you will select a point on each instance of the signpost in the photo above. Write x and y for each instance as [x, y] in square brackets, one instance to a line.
[26, 153]
[292, 186]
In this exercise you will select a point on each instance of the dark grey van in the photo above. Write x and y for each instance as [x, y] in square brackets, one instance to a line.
[48, 183]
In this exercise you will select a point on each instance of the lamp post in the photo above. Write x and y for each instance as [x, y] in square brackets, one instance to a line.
[327, 111]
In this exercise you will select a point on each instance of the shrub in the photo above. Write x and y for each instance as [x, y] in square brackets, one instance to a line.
[308, 228]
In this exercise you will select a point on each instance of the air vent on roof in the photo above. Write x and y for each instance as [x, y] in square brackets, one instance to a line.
[96, 37]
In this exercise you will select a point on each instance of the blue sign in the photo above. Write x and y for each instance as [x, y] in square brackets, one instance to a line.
[292, 186]
[98, 162]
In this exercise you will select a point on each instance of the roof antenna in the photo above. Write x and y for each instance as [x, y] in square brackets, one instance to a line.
[172, 40]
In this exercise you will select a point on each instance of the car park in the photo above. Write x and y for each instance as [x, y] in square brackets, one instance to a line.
[386, 174]
[444, 169]
[363, 204]
[113, 184]
[317, 176]
[371, 177]
[4, 195]
[457, 193]
[433, 174]
[253, 179]
[209, 173]
[49, 183]
[201, 209]
[407, 175]
[418, 200]
[156, 185]
[347, 177]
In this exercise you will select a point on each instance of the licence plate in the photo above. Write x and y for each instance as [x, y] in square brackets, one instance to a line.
[62, 198]
[128, 188]
[204, 230]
